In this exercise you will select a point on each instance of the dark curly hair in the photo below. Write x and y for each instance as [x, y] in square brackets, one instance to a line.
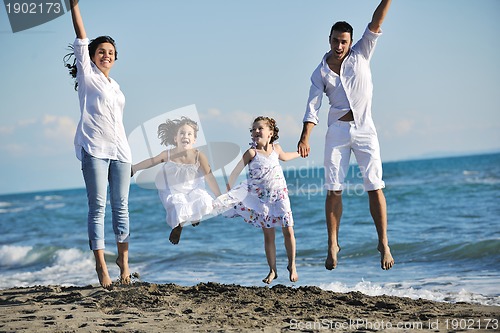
[70, 61]
[272, 126]
[168, 130]
[342, 26]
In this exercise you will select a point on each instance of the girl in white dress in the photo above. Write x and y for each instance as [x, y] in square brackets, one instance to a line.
[262, 200]
[181, 182]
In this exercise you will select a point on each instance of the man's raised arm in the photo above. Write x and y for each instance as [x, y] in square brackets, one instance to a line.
[379, 16]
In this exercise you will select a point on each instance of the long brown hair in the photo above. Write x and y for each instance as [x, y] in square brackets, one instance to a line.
[70, 60]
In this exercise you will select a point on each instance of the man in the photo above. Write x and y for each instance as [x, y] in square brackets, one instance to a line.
[344, 75]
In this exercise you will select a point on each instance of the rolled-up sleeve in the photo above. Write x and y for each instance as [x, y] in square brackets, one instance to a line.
[81, 50]
[315, 97]
[367, 43]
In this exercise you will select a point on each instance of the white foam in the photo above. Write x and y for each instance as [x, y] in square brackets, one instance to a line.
[54, 206]
[11, 255]
[413, 291]
[16, 209]
[483, 181]
[48, 197]
[68, 267]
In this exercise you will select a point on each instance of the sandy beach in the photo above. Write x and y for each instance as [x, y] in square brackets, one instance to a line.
[213, 307]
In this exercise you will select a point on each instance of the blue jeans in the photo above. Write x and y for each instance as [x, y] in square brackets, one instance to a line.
[97, 173]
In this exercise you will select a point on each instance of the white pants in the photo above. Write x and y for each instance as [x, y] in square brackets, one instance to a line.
[343, 137]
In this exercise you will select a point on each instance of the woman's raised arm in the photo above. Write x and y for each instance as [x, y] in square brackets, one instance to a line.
[77, 20]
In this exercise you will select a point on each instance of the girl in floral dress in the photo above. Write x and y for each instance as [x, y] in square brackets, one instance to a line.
[262, 200]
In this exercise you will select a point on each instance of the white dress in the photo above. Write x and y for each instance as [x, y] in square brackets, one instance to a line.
[182, 191]
[262, 200]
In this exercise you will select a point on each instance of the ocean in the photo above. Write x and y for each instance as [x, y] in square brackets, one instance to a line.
[444, 233]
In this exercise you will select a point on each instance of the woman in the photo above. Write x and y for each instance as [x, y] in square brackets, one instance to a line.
[101, 144]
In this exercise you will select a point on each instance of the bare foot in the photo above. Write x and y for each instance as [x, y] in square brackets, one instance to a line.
[331, 259]
[104, 279]
[175, 235]
[124, 271]
[294, 277]
[270, 277]
[386, 259]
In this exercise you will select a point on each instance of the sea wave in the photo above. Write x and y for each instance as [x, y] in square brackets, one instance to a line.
[415, 291]
[486, 250]
[66, 267]
[477, 250]
[48, 197]
[13, 209]
[54, 206]
[482, 181]
[11, 255]
[47, 202]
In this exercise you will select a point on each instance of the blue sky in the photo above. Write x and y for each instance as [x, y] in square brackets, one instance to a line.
[435, 70]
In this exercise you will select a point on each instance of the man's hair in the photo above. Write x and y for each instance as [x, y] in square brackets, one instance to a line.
[341, 26]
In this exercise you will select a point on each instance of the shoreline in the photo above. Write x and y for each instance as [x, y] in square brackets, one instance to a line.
[208, 307]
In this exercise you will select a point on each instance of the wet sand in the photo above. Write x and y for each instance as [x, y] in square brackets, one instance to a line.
[213, 307]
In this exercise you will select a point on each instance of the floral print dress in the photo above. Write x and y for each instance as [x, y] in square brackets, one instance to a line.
[262, 200]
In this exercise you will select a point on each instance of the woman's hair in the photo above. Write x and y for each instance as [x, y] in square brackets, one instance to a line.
[272, 125]
[71, 63]
[168, 130]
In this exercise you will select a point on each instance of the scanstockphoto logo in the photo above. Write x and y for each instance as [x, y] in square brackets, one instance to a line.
[145, 144]
[176, 184]
[24, 15]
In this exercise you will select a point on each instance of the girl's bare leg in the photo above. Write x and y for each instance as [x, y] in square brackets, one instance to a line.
[289, 237]
[270, 247]
[102, 269]
[122, 262]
